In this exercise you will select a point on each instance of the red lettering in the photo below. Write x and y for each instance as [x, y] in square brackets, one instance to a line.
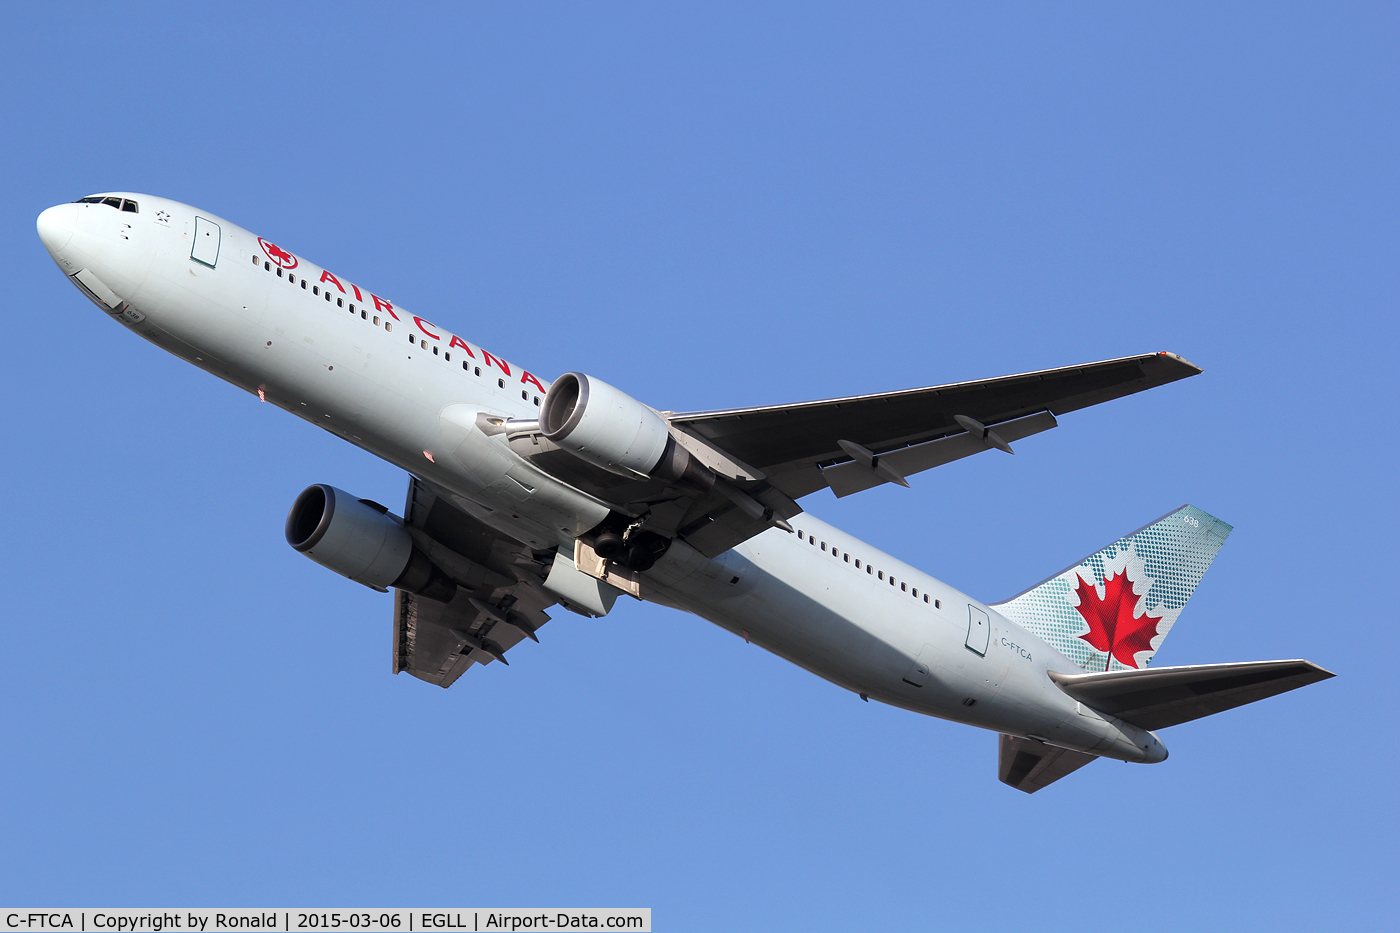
[327, 277]
[381, 305]
[454, 342]
[420, 322]
[358, 296]
[489, 359]
[526, 377]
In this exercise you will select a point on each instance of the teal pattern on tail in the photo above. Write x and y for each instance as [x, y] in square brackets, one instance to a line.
[1113, 609]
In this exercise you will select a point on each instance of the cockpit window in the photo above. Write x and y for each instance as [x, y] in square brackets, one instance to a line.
[121, 204]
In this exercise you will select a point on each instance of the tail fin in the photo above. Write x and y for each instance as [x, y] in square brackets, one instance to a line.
[1113, 609]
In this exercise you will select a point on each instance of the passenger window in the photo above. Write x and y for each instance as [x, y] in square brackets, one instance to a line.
[823, 545]
[525, 396]
[857, 563]
[352, 310]
[130, 206]
[340, 302]
[925, 597]
[891, 581]
[364, 315]
[435, 350]
[255, 260]
[292, 279]
[846, 557]
[279, 272]
[303, 284]
[868, 568]
[902, 586]
[882, 575]
[537, 399]
[500, 383]
[466, 367]
[811, 539]
[447, 356]
[328, 296]
[914, 592]
[478, 369]
[938, 604]
[388, 325]
[410, 339]
[376, 320]
[267, 267]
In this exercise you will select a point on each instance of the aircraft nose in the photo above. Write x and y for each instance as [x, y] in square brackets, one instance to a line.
[56, 226]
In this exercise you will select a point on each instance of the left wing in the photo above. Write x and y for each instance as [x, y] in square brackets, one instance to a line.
[844, 442]
[766, 458]
[499, 600]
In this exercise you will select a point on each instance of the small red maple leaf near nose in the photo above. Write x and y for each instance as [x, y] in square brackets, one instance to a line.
[1112, 628]
[279, 255]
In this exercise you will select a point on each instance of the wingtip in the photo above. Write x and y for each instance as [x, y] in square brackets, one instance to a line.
[1176, 357]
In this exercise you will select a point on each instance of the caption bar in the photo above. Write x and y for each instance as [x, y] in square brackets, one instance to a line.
[282, 920]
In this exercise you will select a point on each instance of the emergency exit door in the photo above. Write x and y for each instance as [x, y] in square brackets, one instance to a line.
[979, 630]
[205, 248]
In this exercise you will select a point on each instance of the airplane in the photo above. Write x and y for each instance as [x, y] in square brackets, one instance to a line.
[526, 493]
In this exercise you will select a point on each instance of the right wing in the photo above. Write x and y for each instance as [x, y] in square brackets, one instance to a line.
[499, 600]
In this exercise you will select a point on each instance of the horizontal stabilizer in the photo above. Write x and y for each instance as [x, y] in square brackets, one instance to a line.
[1168, 696]
[1029, 765]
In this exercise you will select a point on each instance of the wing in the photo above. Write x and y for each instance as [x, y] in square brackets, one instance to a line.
[499, 600]
[854, 443]
[766, 458]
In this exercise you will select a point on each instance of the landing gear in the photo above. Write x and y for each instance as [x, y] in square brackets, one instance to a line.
[621, 539]
[609, 544]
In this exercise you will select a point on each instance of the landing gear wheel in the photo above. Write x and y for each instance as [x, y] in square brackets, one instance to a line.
[640, 559]
[608, 545]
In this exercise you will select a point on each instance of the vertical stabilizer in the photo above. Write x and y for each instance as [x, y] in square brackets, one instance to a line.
[1113, 609]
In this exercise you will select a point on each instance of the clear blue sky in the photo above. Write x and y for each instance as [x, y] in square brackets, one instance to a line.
[711, 205]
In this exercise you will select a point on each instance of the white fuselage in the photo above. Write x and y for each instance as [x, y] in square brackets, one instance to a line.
[405, 389]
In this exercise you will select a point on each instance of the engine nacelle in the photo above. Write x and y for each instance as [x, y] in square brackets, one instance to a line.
[610, 429]
[360, 540]
[603, 425]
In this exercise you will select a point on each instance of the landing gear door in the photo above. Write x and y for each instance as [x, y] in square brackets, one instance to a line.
[206, 242]
[979, 630]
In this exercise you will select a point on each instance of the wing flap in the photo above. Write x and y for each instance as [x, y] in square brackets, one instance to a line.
[499, 601]
[1155, 698]
[852, 476]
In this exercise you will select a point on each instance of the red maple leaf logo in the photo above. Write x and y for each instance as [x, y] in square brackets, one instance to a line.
[278, 255]
[1112, 628]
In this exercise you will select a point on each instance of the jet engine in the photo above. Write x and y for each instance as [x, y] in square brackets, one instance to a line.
[359, 539]
[610, 429]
